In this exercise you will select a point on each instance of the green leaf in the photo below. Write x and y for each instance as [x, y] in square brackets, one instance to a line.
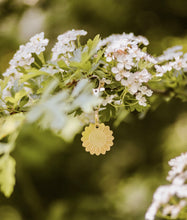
[44, 85]
[16, 87]
[62, 64]
[23, 101]
[90, 49]
[10, 99]
[7, 174]
[99, 55]
[10, 124]
[137, 107]
[32, 73]
[21, 69]
[144, 49]
[83, 65]
[92, 45]
[3, 83]
[37, 59]
[107, 113]
[18, 96]
[100, 73]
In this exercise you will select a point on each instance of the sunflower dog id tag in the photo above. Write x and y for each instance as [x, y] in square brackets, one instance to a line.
[97, 138]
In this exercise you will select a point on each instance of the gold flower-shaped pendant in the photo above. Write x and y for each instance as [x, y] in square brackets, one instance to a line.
[97, 139]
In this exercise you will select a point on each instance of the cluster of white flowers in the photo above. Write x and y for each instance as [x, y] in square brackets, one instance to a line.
[133, 82]
[23, 58]
[162, 197]
[125, 58]
[178, 172]
[171, 53]
[38, 43]
[178, 176]
[125, 48]
[66, 44]
[12, 72]
[174, 210]
[126, 52]
[161, 69]
[172, 58]
[123, 40]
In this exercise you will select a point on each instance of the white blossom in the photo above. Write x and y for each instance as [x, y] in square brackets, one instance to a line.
[171, 59]
[12, 72]
[178, 176]
[145, 91]
[180, 179]
[66, 43]
[173, 210]
[163, 195]
[23, 57]
[170, 53]
[141, 99]
[108, 59]
[161, 69]
[178, 63]
[143, 76]
[178, 165]
[38, 43]
[115, 70]
[133, 82]
[125, 50]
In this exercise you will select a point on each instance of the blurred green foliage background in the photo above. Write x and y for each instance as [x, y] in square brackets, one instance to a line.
[59, 181]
